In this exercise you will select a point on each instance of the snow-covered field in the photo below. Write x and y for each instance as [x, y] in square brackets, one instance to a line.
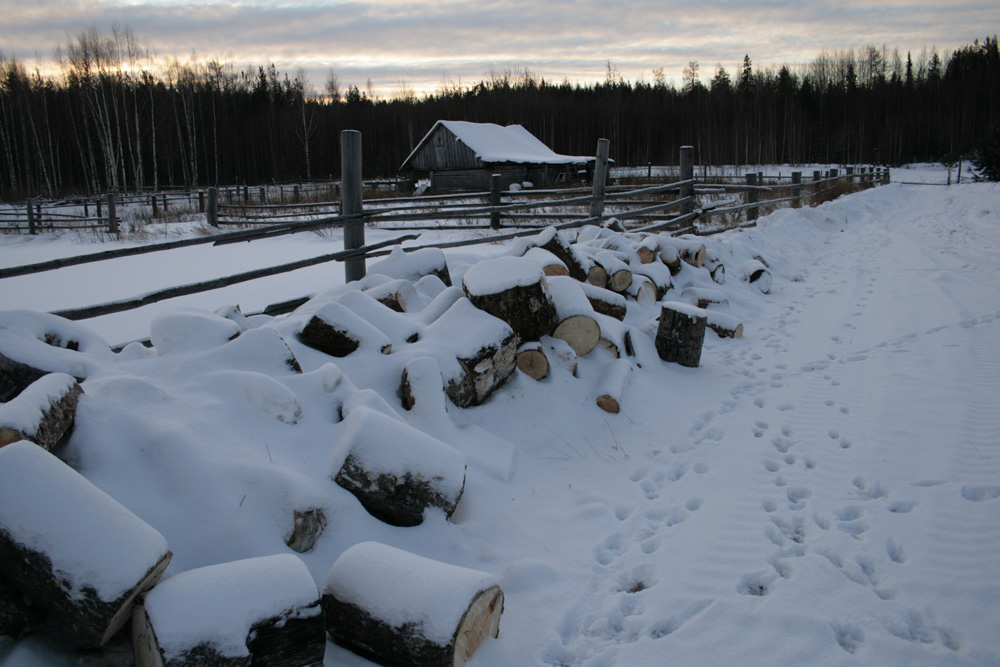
[824, 490]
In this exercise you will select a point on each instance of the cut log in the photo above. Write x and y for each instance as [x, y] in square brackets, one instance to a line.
[413, 265]
[605, 301]
[755, 272]
[642, 289]
[71, 548]
[611, 386]
[597, 276]
[576, 264]
[670, 258]
[42, 413]
[691, 251]
[395, 471]
[551, 265]
[258, 611]
[18, 617]
[575, 315]
[723, 324]
[476, 352]
[309, 525]
[15, 377]
[233, 312]
[513, 290]
[399, 295]
[531, 360]
[704, 297]
[648, 250]
[681, 333]
[619, 275]
[612, 335]
[337, 331]
[658, 273]
[397, 608]
[398, 328]
[713, 262]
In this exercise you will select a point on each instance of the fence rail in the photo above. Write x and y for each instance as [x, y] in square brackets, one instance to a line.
[678, 206]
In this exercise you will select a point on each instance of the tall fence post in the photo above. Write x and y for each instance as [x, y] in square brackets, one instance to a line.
[834, 173]
[165, 205]
[112, 218]
[687, 173]
[351, 201]
[263, 194]
[213, 207]
[600, 178]
[817, 175]
[752, 196]
[31, 215]
[152, 204]
[850, 175]
[797, 188]
[201, 201]
[495, 184]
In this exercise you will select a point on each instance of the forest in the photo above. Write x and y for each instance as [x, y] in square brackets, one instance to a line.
[111, 121]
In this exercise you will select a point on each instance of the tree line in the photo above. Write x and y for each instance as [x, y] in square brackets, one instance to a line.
[110, 121]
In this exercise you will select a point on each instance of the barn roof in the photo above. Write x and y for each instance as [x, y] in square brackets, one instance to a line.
[495, 143]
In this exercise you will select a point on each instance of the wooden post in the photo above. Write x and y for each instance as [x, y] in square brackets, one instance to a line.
[834, 173]
[263, 194]
[817, 175]
[112, 218]
[351, 201]
[201, 201]
[98, 203]
[495, 201]
[31, 216]
[165, 205]
[687, 173]
[86, 208]
[797, 188]
[600, 178]
[246, 194]
[152, 204]
[213, 207]
[649, 170]
[752, 196]
[850, 175]
[295, 194]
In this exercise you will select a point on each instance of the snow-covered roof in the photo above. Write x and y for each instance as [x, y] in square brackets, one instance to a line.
[496, 143]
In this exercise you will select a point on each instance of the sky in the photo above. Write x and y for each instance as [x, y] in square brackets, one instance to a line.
[401, 45]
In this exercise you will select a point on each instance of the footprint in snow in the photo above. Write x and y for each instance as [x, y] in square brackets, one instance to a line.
[978, 494]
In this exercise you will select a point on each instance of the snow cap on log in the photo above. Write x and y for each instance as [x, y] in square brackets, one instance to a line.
[266, 609]
[42, 413]
[191, 330]
[551, 265]
[514, 290]
[398, 328]
[755, 272]
[605, 301]
[337, 331]
[399, 295]
[704, 296]
[551, 239]
[399, 608]
[413, 265]
[476, 352]
[575, 315]
[396, 471]
[72, 548]
[262, 350]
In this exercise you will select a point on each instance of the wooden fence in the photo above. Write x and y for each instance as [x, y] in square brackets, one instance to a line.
[681, 206]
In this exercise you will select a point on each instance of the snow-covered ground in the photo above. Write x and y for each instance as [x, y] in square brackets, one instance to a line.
[824, 490]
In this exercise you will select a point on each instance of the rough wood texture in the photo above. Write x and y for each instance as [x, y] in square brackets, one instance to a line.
[56, 412]
[597, 276]
[484, 372]
[704, 296]
[356, 629]
[531, 361]
[15, 377]
[557, 244]
[680, 334]
[525, 308]
[604, 301]
[309, 525]
[338, 332]
[17, 616]
[725, 325]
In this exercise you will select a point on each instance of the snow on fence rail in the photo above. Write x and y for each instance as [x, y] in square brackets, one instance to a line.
[631, 209]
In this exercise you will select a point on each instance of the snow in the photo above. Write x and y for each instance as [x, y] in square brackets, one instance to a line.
[400, 589]
[25, 411]
[218, 605]
[494, 276]
[92, 541]
[823, 490]
[497, 143]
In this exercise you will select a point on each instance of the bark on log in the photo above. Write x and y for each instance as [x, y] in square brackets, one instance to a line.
[552, 240]
[611, 386]
[399, 295]
[713, 262]
[605, 301]
[395, 471]
[726, 326]
[513, 290]
[692, 252]
[398, 328]
[309, 525]
[270, 609]
[670, 258]
[337, 331]
[619, 275]
[413, 265]
[43, 413]
[576, 323]
[90, 589]
[455, 609]
[17, 616]
[681, 333]
[15, 377]
[704, 296]
[531, 360]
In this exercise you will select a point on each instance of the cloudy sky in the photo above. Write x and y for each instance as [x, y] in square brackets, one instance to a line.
[422, 45]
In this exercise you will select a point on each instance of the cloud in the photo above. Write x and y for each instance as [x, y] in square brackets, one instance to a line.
[426, 42]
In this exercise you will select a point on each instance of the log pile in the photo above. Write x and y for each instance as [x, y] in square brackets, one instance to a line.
[43, 413]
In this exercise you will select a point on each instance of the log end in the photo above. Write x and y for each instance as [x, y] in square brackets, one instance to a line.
[481, 622]
[580, 332]
[533, 363]
[608, 404]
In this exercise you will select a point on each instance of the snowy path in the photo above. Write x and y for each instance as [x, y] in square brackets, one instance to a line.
[822, 491]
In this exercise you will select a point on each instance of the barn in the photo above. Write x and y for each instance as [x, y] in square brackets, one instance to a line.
[460, 155]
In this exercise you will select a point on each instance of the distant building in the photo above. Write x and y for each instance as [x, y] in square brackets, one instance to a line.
[459, 155]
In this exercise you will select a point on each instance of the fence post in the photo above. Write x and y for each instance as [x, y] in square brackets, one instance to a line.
[201, 201]
[850, 175]
[797, 188]
[817, 175]
[600, 178]
[31, 216]
[112, 218]
[165, 207]
[152, 204]
[263, 194]
[834, 173]
[246, 194]
[752, 196]
[97, 202]
[213, 207]
[495, 200]
[295, 194]
[351, 201]
[687, 173]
